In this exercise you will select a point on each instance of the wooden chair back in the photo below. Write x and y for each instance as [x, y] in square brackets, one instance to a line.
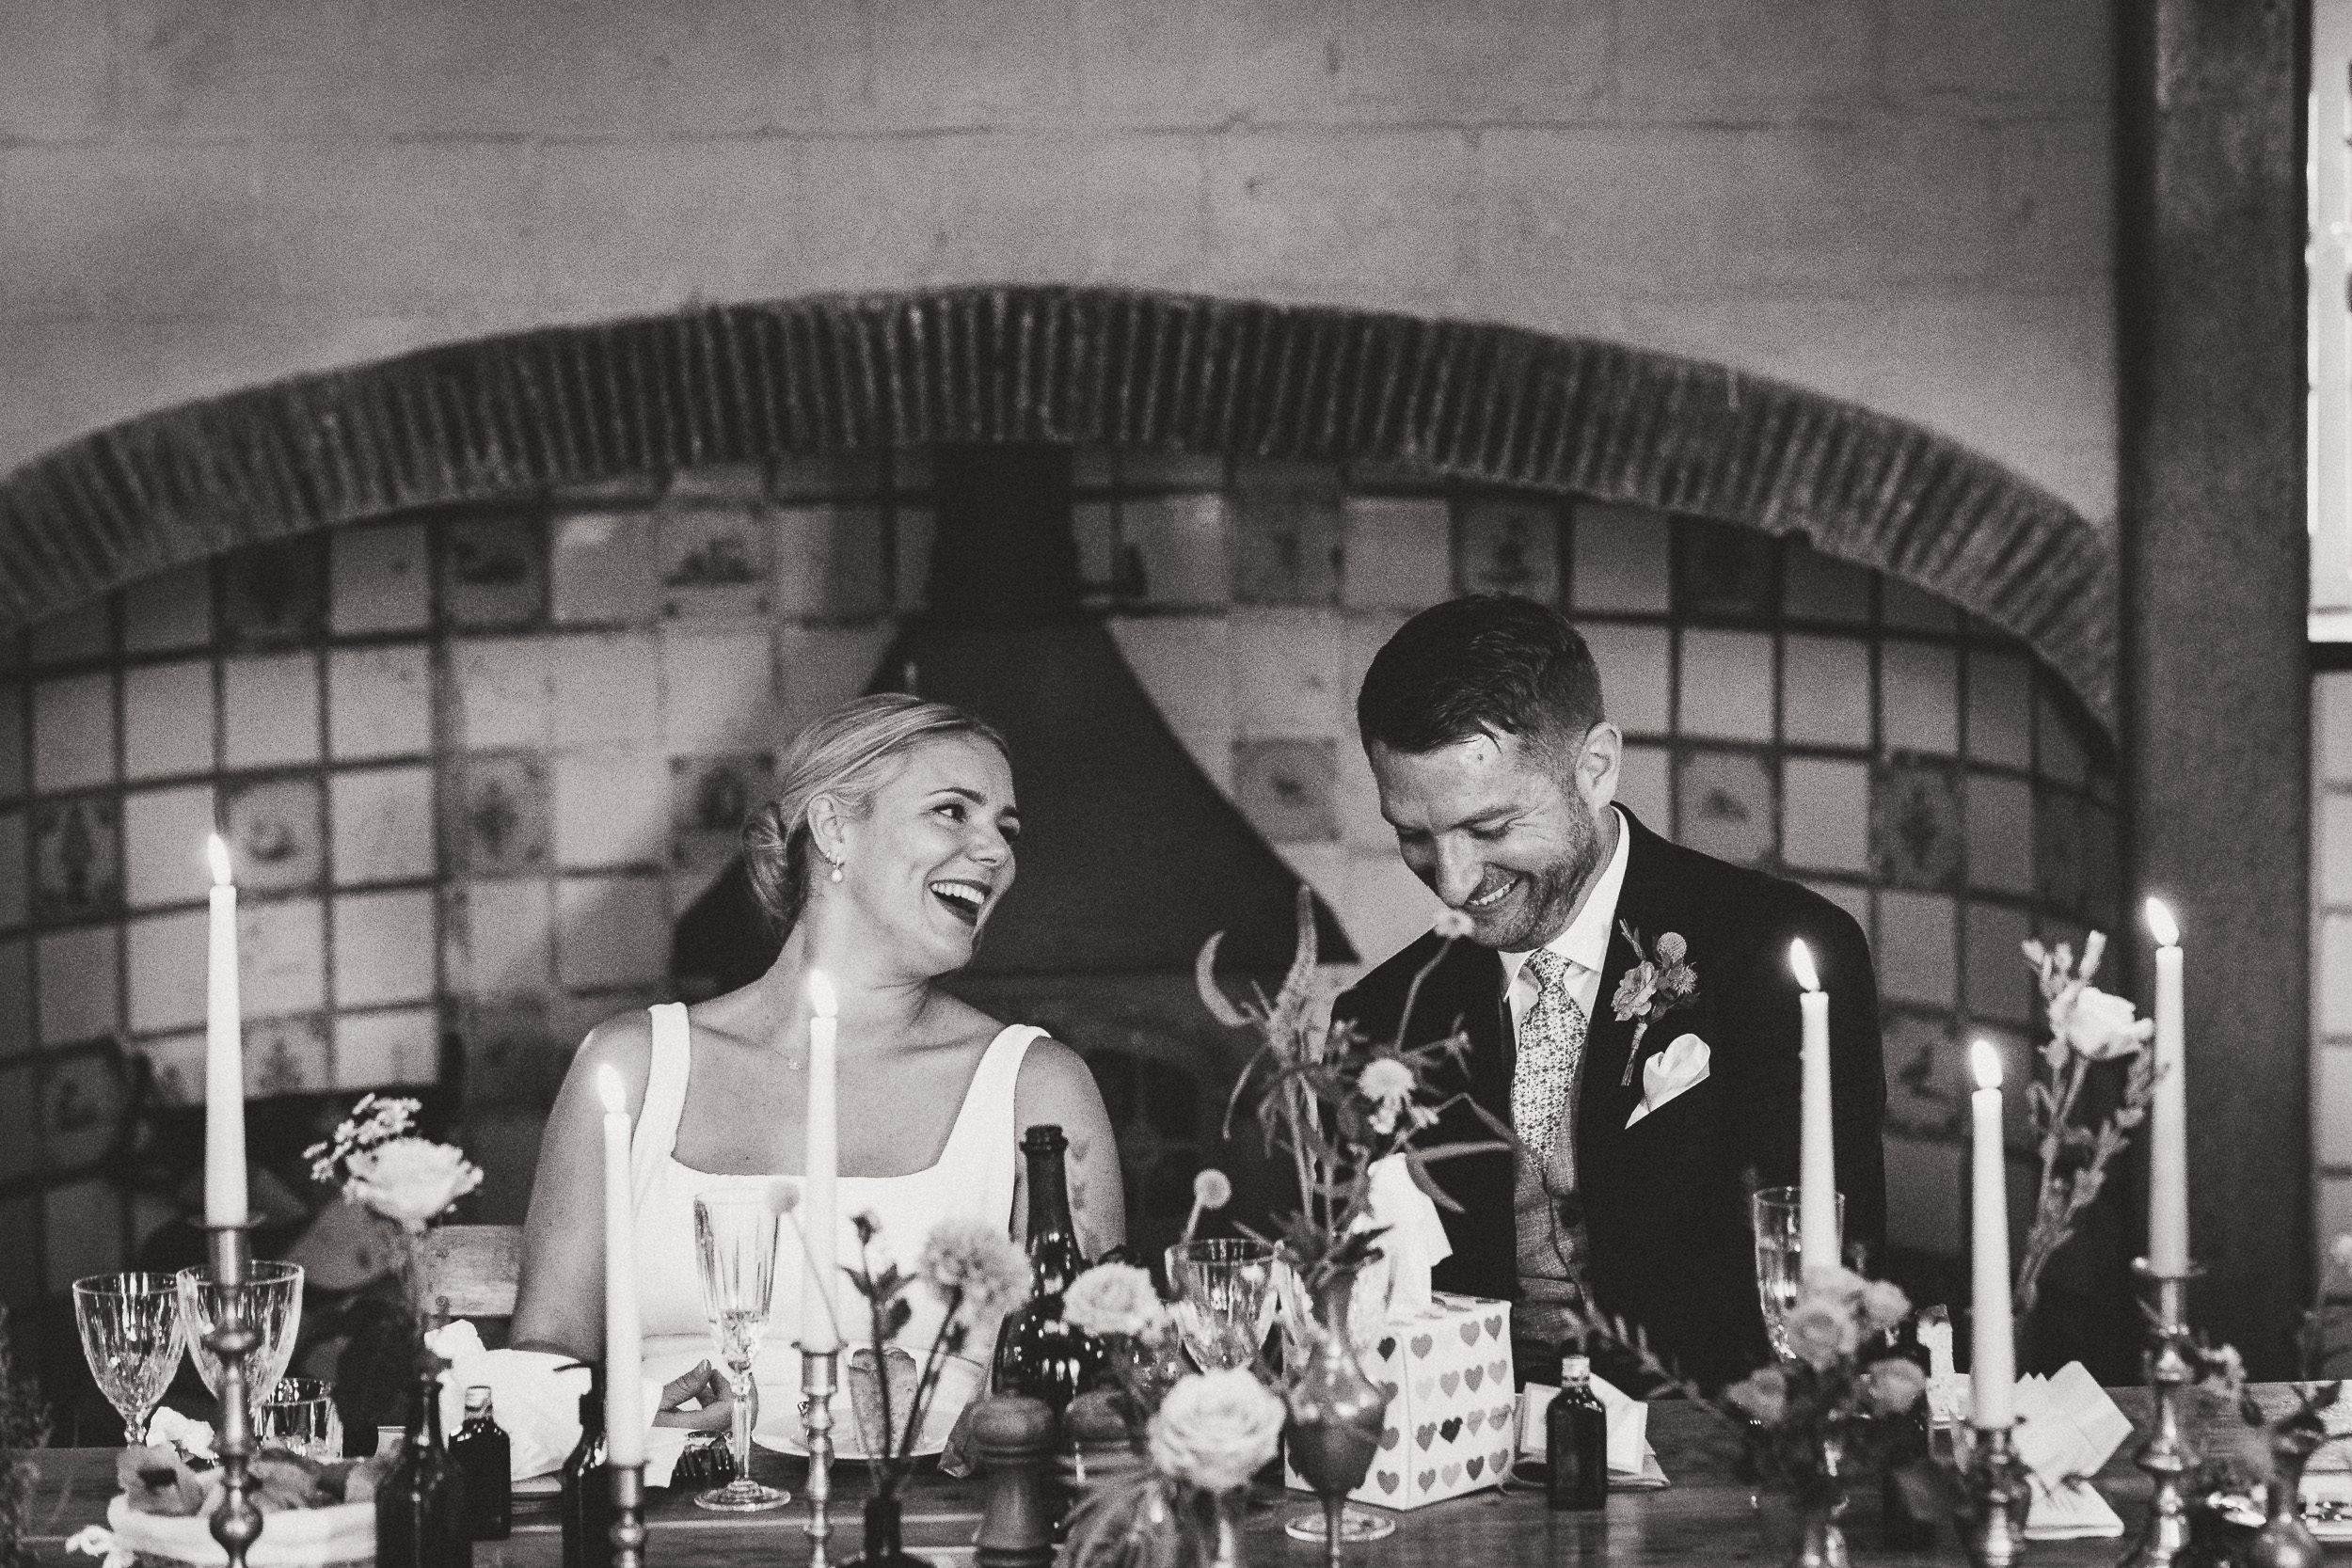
[472, 1270]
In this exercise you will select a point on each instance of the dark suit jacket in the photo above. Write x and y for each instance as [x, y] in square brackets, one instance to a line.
[1666, 1200]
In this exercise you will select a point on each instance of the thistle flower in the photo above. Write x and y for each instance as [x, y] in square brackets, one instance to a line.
[973, 1262]
[1212, 1190]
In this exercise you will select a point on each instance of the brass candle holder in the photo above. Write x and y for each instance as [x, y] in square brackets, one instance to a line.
[1999, 1498]
[237, 1524]
[821, 1373]
[2165, 1456]
[629, 1516]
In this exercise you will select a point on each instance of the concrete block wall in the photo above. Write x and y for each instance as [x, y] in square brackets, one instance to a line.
[1903, 203]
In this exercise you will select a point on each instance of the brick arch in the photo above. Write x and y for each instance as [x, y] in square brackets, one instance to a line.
[508, 416]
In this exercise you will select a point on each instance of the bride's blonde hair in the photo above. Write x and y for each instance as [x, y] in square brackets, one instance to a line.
[847, 754]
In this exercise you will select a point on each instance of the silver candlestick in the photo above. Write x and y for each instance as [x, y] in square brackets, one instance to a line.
[2165, 1456]
[629, 1516]
[1993, 1526]
[821, 1373]
[237, 1524]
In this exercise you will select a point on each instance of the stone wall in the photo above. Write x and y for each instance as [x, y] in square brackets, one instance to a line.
[1903, 203]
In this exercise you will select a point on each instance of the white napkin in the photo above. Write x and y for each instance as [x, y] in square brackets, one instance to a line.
[168, 1427]
[1415, 1240]
[1629, 1425]
[536, 1403]
[2067, 1427]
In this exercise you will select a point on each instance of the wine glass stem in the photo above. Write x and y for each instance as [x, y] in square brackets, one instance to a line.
[1334, 1508]
[739, 1436]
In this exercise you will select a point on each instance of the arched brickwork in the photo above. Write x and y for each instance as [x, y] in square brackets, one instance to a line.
[508, 416]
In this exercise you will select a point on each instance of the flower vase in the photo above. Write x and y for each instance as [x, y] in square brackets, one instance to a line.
[1336, 1416]
[883, 1548]
[1804, 1521]
[2284, 1541]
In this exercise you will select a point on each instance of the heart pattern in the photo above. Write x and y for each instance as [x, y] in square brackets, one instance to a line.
[1498, 1371]
[1471, 1378]
[1498, 1414]
[1447, 1382]
[1424, 1434]
[1494, 1328]
[1450, 1427]
[1422, 1345]
[1470, 1332]
[1389, 1479]
[1390, 1437]
[1388, 1347]
[1450, 1473]
[1477, 1419]
[1427, 1479]
[1389, 1389]
[1499, 1458]
[1476, 1465]
[1421, 1388]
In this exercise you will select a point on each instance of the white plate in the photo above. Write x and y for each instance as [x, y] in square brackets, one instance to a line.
[845, 1445]
[779, 1430]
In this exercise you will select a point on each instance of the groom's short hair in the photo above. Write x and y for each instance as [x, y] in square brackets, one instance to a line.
[1489, 663]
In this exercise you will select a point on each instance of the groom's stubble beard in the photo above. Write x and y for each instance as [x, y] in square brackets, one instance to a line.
[1552, 890]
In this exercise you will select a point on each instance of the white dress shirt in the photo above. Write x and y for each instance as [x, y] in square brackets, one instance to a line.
[1585, 944]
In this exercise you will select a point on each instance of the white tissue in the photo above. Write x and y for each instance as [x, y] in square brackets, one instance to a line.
[170, 1427]
[1415, 1240]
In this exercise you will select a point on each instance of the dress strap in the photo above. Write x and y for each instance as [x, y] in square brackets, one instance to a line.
[665, 1094]
[984, 1137]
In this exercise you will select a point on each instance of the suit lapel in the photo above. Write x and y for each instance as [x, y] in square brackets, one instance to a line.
[1604, 1099]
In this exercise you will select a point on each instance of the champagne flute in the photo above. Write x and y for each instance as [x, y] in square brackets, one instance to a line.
[1224, 1299]
[130, 1328]
[269, 1301]
[735, 1249]
[1780, 1257]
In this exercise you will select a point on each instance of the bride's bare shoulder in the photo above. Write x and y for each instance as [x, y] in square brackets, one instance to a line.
[624, 1044]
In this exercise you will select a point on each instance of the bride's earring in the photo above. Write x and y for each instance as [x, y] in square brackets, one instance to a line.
[836, 871]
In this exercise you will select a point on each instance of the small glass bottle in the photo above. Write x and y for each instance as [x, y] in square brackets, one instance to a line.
[1575, 1433]
[587, 1485]
[420, 1507]
[482, 1451]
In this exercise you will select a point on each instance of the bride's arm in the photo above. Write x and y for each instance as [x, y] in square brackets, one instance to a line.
[1054, 1086]
[558, 1306]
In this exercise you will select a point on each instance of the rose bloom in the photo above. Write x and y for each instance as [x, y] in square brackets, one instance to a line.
[1114, 1300]
[976, 1258]
[1896, 1386]
[2101, 1026]
[1820, 1331]
[410, 1181]
[1884, 1305]
[1216, 1430]
[1763, 1394]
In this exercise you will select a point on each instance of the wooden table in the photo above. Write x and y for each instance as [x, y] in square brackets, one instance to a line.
[1706, 1515]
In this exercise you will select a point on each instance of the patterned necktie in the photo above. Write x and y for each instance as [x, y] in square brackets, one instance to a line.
[1549, 1215]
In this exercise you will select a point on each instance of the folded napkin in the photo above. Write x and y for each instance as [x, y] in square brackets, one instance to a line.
[2067, 1429]
[1630, 1451]
[535, 1397]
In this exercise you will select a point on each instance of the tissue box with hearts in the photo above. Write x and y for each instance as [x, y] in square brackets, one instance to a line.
[1450, 1422]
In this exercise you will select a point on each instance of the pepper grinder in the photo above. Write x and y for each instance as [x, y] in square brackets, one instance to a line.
[1015, 1435]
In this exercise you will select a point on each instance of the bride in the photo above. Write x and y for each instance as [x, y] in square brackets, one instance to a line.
[888, 848]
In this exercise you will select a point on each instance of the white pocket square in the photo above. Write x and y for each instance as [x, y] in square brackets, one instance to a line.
[1681, 1066]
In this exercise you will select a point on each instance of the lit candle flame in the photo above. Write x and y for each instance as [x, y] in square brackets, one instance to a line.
[1800, 960]
[217, 852]
[820, 997]
[1986, 1061]
[609, 1089]
[2161, 924]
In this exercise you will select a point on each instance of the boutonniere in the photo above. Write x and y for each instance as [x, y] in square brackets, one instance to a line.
[1652, 987]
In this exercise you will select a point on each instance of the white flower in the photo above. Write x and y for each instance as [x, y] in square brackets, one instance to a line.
[1216, 1430]
[2098, 1025]
[1386, 1080]
[1820, 1332]
[1114, 1301]
[1893, 1385]
[1452, 924]
[1884, 1305]
[410, 1181]
[976, 1263]
[1212, 1189]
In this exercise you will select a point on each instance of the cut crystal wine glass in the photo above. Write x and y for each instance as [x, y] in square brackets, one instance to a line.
[131, 1334]
[270, 1303]
[735, 1251]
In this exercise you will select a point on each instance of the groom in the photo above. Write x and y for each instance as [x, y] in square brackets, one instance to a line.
[1484, 725]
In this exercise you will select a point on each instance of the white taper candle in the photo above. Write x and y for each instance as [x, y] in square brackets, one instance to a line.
[2168, 1113]
[224, 1054]
[1817, 1170]
[1993, 1372]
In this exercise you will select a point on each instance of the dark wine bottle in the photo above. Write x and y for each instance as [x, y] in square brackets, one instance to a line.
[420, 1507]
[1039, 1353]
[483, 1454]
[587, 1495]
[1576, 1435]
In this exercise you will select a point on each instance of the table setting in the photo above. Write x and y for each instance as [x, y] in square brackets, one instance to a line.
[1317, 1361]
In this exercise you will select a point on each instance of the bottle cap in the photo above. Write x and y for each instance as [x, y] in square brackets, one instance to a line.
[1576, 1368]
